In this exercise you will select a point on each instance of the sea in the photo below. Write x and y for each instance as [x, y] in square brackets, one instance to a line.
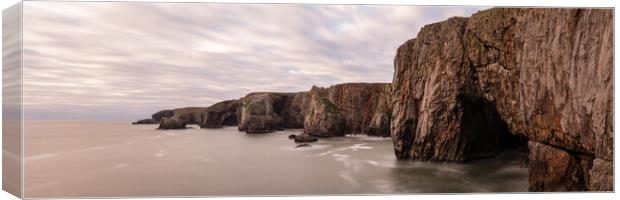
[117, 159]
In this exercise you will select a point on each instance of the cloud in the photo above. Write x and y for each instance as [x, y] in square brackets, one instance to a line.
[125, 60]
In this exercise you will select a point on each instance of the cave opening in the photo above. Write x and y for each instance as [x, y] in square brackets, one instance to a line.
[230, 120]
[486, 133]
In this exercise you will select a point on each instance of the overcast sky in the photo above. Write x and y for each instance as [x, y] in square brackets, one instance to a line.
[121, 60]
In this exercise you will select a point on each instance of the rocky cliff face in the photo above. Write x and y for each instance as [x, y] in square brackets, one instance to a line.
[220, 114]
[158, 116]
[465, 85]
[182, 117]
[322, 117]
[349, 108]
[264, 112]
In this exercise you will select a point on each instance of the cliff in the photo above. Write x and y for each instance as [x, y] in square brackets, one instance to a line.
[156, 117]
[215, 116]
[349, 108]
[263, 112]
[220, 114]
[182, 117]
[465, 87]
[322, 117]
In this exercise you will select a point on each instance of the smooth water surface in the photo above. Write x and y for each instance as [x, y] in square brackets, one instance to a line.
[117, 159]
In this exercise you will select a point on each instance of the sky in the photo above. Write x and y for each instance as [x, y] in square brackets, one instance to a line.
[127, 60]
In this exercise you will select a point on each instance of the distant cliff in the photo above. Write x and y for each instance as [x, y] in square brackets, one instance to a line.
[267, 111]
[465, 84]
[350, 108]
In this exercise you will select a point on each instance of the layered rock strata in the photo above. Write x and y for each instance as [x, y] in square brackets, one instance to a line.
[349, 108]
[220, 114]
[182, 117]
[264, 112]
[158, 116]
[465, 85]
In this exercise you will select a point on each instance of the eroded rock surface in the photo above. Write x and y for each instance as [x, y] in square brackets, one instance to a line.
[182, 117]
[264, 112]
[322, 117]
[601, 175]
[145, 121]
[220, 114]
[546, 74]
[349, 108]
[554, 169]
[158, 116]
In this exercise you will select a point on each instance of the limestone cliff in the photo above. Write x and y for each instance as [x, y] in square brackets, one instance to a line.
[215, 116]
[465, 86]
[349, 108]
[182, 117]
[158, 116]
[322, 117]
[263, 112]
[220, 114]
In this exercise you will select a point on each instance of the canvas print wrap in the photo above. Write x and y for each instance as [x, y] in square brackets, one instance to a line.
[135, 99]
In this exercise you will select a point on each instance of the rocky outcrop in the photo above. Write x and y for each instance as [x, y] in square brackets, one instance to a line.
[379, 124]
[322, 117]
[302, 138]
[601, 175]
[182, 117]
[172, 123]
[434, 117]
[465, 86]
[264, 112]
[220, 114]
[349, 108]
[145, 121]
[158, 116]
[554, 169]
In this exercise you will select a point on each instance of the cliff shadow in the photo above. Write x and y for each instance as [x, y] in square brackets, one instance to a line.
[486, 133]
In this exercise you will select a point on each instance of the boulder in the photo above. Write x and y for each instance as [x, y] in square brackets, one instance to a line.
[303, 145]
[304, 138]
[553, 169]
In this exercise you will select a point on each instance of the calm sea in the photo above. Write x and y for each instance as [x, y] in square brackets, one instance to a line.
[117, 159]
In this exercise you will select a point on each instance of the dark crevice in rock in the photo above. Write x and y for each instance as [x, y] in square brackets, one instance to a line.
[485, 133]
